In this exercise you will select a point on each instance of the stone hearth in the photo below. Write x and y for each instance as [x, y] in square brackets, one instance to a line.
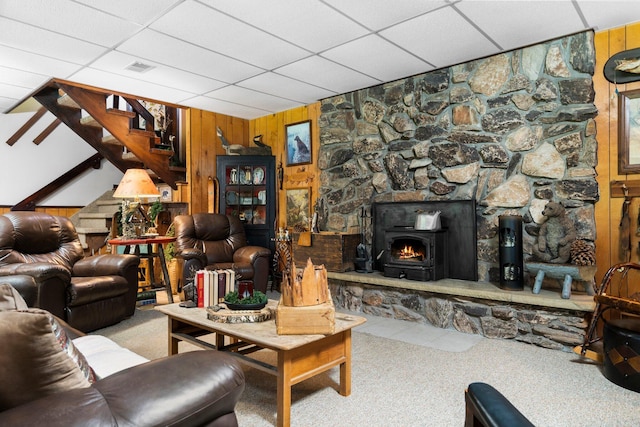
[543, 319]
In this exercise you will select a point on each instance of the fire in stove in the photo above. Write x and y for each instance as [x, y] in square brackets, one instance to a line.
[409, 254]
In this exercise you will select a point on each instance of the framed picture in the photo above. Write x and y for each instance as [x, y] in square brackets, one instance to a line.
[298, 143]
[166, 193]
[629, 132]
[298, 201]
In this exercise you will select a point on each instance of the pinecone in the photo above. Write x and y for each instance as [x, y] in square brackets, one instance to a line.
[582, 253]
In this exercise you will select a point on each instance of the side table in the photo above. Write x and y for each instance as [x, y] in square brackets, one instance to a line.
[149, 241]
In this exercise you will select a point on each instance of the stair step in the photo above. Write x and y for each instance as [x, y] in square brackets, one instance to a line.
[129, 114]
[160, 151]
[143, 132]
[110, 139]
[130, 156]
[94, 220]
[90, 121]
[66, 101]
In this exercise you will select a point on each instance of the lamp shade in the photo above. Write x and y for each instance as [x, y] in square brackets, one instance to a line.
[136, 183]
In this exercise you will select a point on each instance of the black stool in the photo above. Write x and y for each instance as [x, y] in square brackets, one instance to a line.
[621, 340]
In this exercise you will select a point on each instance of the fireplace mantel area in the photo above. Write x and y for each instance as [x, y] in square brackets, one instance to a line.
[509, 132]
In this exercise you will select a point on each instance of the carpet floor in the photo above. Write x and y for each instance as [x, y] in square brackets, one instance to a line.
[398, 383]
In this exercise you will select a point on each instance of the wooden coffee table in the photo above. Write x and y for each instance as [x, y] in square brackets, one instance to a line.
[299, 356]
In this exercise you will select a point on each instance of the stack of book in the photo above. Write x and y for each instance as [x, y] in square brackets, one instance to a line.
[213, 285]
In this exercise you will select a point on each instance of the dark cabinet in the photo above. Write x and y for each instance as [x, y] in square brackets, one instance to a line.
[248, 191]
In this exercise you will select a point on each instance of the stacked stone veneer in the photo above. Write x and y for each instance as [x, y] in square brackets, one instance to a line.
[555, 329]
[513, 131]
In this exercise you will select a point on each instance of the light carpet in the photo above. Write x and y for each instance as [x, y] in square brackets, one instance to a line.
[395, 383]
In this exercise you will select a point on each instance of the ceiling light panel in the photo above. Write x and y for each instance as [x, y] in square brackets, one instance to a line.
[160, 48]
[285, 87]
[215, 31]
[252, 98]
[321, 72]
[47, 43]
[315, 26]
[379, 14]
[378, 58]
[70, 18]
[138, 11]
[522, 23]
[423, 36]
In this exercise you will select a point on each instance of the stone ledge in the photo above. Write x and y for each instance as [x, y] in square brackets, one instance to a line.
[481, 290]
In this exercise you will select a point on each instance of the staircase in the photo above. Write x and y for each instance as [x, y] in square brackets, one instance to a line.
[116, 125]
[93, 222]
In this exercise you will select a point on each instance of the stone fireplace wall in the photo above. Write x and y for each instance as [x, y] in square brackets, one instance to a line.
[513, 131]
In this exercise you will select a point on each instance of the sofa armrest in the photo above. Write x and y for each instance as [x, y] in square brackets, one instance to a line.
[106, 265]
[50, 280]
[249, 254]
[193, 254]
[187, 389]
[487, 407]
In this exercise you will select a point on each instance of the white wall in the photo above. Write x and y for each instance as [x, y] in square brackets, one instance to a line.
[26, 167]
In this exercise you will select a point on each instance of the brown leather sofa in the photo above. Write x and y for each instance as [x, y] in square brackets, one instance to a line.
[198, 388]
[89, 293]
[212, 241]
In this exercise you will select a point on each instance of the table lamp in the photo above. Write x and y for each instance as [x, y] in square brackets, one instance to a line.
[135, 183]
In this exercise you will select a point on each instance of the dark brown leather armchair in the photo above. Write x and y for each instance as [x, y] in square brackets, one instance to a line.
[212, 241]
[89, 293]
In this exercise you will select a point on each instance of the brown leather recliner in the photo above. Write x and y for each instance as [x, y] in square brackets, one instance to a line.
[211, 241]
[89, 293]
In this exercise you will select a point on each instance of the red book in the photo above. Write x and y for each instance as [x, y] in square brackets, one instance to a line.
[200, 288]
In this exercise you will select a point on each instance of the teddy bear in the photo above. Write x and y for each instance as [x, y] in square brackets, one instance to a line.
[555, 236]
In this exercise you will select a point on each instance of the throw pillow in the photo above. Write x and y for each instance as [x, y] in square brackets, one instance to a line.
[37, 358]
[10, 299]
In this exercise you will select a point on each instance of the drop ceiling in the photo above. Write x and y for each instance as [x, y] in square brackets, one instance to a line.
[252, 58]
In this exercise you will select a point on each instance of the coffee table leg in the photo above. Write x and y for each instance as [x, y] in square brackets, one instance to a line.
[173, 342]
[284, 390]
[345, 368]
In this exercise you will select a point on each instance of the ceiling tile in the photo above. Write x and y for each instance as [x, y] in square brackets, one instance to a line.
[21, 78]
[285, 87]
[32, 63]
[15, 92]
[161, 48]
[321, 72]
[368, 54]
[463, 41]
[116, 62]
[252, 98]
[6, 103]
[315, 26]
[379, 14]
[138, 11]
[72, 19]
[522, 22]
[224, 107]
[137, 87]
[606, 14]
[220, 33]
[47, 43]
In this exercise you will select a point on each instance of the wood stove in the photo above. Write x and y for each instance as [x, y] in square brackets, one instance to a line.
[415, 254]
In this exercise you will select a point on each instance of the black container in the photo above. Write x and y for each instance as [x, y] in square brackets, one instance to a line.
[511, 257]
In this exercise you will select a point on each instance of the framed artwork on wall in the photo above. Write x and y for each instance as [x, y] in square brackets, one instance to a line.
[629, 132]
[298, 207]
[166, 193]
[298, 143]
